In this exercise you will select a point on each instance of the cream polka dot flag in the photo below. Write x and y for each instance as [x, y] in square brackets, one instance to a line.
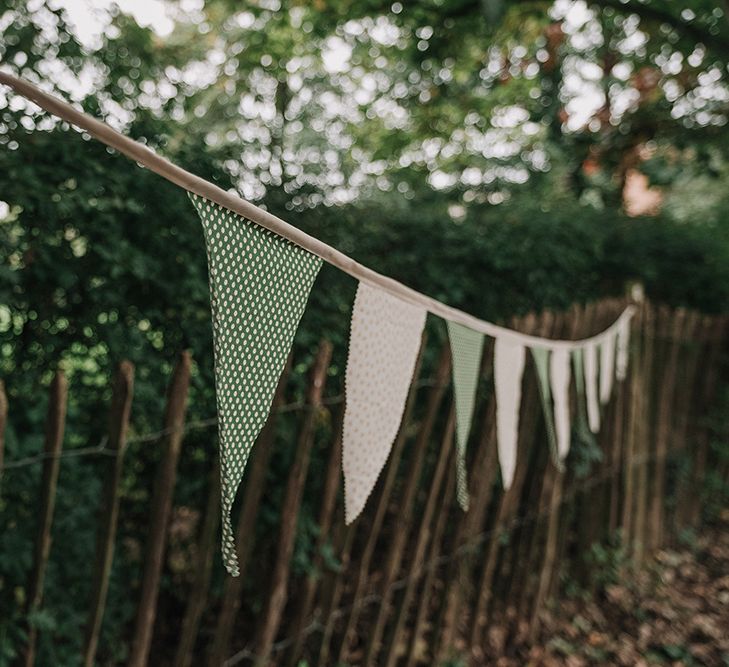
[509, 359]
[259, 286]
[384, 343]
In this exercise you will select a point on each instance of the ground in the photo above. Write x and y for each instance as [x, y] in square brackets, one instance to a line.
[676, 612]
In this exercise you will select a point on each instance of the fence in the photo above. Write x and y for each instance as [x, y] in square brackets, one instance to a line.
[415, 580]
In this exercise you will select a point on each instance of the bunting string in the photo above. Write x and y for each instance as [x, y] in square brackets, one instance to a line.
[593, 404]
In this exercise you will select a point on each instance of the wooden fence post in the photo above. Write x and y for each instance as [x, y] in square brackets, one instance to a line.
[470, 523]
[253, 486]
[554, 484]
[326, 517]
[669, 325]
[277, 594]
[121, 404]
[414, 573]
[427, 587]
[3, 426]
[160, 511]
[204, 567]
[381, 505]
[687, 402]
[406, 506]
[508, 505]
[55, 426]
[714, 329]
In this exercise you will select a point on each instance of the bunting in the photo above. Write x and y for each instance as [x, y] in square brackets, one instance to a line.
[260, 283]
[541, 364]
[607, 367]
[509, 361]
[466, 350]
[384, 342]
[582, 425]
[593, 404]
[621, 360]
[559, 381]
[259, 286]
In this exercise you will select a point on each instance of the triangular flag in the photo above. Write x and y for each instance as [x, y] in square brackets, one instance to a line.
[541, 363]
[581, 417]
[466, 349]
[559, 379]
[607, 367]
[593, 405]
[383, 348]
[508, 371]
[621, 361]
[259, 286]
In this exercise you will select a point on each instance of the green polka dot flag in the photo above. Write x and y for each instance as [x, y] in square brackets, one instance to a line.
[259, 286]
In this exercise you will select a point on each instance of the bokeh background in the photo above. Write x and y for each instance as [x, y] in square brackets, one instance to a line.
[501, 156]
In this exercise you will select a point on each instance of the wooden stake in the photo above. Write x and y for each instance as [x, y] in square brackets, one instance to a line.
[670, 325]
[715, 330]
[427, 588]
[253, 487]
[203, 571]
[382, 504]
[160, 509]
[121, 405]
[3, 426]
[277, 593]
[414, 573]
[55, 426]
[393, 558]
[326, 516]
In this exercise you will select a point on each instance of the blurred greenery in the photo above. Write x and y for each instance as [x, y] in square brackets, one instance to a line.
[477, 150]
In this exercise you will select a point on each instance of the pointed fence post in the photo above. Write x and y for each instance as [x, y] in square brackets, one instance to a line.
[381, 506]
[435, 396]
[406, 508]
[326, 517]
[55, 426]
[160, 511]
[278, 591]
[427, 587]
[415, 572]
[3, 426]
[204, 568]
[253, 486]
[507, 505]
[121, 404]
[669, 325]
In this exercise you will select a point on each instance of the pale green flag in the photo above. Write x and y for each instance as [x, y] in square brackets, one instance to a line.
[581, 426]
[466, 349]
[541, 362]
[259, 286]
